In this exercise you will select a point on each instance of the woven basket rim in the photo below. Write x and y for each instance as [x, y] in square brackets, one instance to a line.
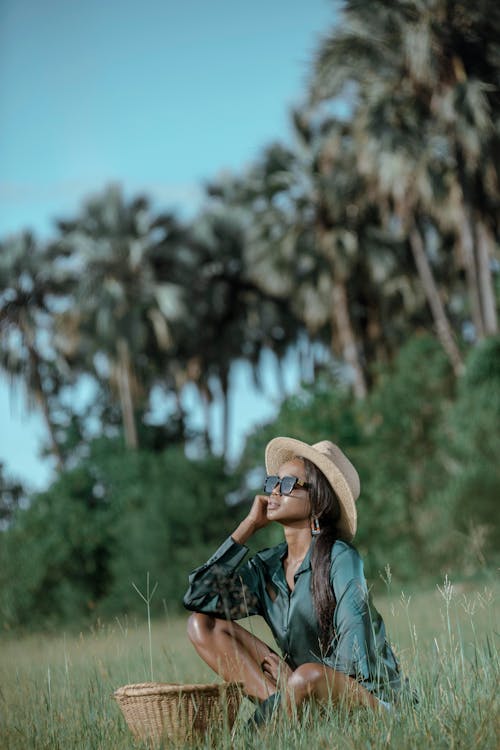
[170, 688]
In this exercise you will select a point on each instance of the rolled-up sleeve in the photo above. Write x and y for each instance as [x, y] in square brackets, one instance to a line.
[225, 586]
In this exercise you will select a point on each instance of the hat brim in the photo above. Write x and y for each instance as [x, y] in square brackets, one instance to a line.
[281, 449]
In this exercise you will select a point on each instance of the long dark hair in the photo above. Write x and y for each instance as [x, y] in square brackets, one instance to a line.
[326, 508]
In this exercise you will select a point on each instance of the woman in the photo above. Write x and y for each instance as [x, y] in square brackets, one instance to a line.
[310, 589]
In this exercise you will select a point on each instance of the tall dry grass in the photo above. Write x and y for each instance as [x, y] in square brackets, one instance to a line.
[56, 691]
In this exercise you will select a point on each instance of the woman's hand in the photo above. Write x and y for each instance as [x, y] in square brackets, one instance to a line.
[255, 520]
[258, 512]
[276, 670]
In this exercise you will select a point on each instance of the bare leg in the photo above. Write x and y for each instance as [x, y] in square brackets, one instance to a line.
[233, 653]
[322, 683]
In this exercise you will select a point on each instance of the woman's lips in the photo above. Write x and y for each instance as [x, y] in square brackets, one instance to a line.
[272, 505]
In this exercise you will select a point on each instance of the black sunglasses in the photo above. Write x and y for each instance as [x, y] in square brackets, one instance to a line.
[285, 484]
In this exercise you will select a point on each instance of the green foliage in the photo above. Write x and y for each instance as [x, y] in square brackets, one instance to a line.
[400, 465]
[172, 514]
[55, 554]
[79, 546]
[12, 494]
[318, 410]
[473, 482]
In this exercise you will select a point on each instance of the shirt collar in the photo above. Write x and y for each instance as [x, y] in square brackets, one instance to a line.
[282, 550]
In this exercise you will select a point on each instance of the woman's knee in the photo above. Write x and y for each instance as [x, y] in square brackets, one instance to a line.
[304, 680]
[200, 627]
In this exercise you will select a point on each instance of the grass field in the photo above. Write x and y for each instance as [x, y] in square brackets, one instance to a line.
[56, 692]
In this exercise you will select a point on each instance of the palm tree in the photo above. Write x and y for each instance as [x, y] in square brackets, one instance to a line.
[419, 78]
[27, 355]
[316, 237]
[121, 311]
[233, 318]
[272, 201]
[406, 175]
[274, 196]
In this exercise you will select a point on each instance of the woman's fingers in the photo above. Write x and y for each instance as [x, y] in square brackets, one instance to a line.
[258, 511]
[270, 677]
[273, 658]
[274, 667]
[269, 670]
[276, 670]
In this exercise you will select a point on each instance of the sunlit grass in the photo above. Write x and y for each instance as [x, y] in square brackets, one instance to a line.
[56, 692]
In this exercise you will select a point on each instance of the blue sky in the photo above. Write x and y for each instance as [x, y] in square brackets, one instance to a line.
[158, 96]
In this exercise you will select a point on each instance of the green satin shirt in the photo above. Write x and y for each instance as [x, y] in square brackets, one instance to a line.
[226, 587]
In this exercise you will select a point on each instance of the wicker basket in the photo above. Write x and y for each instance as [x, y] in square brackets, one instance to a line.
[155, 710]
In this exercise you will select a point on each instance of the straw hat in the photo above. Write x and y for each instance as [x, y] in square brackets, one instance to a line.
[333, 463]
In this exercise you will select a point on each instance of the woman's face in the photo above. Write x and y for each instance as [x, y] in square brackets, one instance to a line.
[295, 508]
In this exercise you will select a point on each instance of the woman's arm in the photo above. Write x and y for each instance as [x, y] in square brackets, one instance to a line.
[223, 586]
[255, 520]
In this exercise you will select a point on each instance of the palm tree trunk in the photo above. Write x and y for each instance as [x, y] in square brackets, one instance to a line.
[341, 318]
[471, 275]
[485, 243]
[443, 327]
[375, 341]
[347, 339]
[42, 400]
[206, 399]
[125, 389]
[224, 381]
[280, 380]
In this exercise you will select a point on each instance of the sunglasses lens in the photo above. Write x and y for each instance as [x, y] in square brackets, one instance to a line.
[271, 483]
[287, 485]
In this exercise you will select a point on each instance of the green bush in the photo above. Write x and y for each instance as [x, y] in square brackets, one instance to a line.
[401, 522]
[172, 514]
[472, 457]
[119, 515]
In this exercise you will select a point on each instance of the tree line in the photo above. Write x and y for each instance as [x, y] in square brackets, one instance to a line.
[371, 236]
